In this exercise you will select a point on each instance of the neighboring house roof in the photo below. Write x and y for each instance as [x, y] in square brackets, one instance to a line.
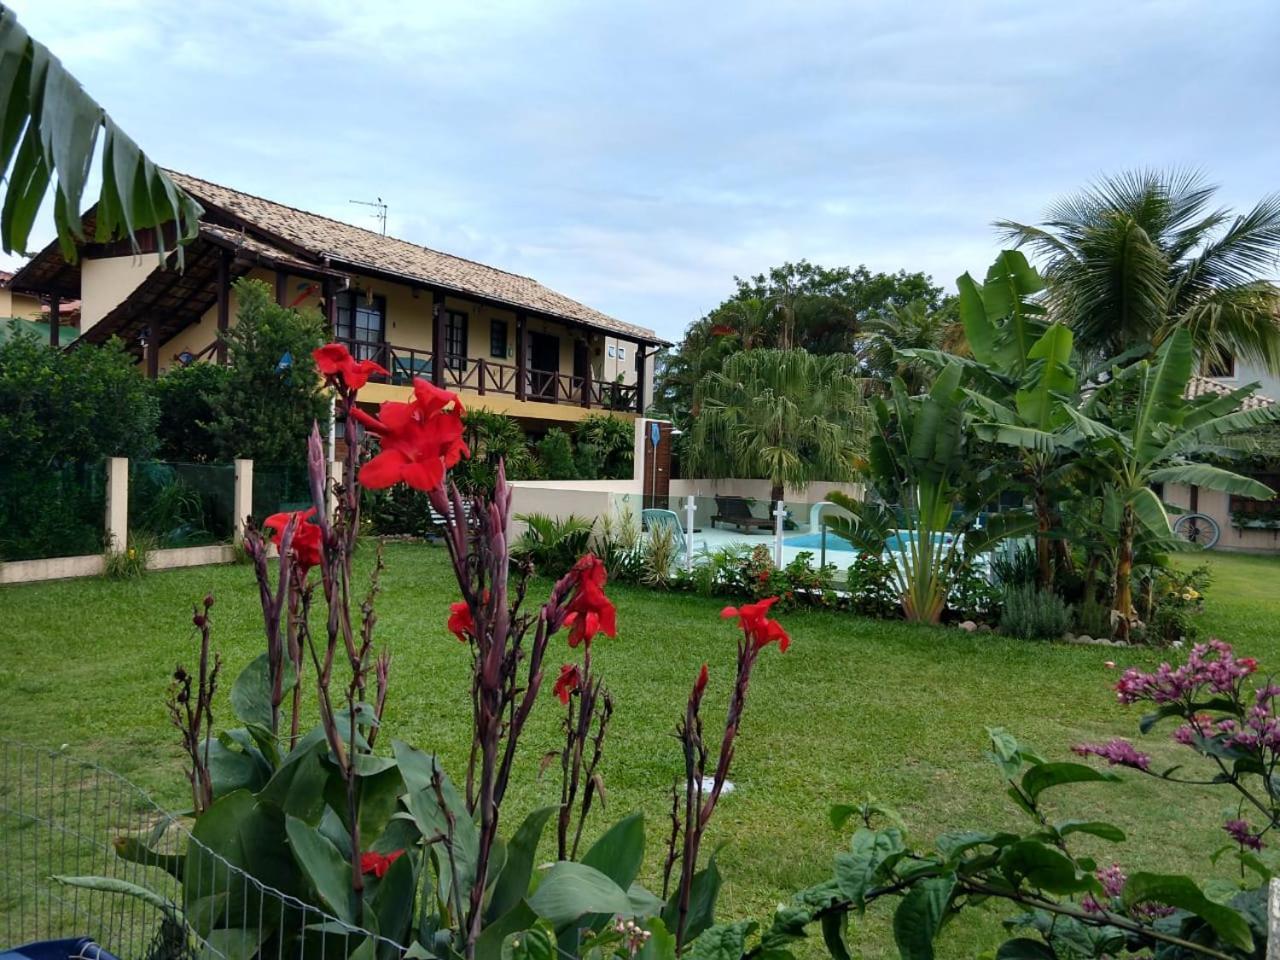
[12, 325]
[360, 249]
[1203, 386]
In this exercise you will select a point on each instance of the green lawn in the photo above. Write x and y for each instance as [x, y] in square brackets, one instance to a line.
[856, 708]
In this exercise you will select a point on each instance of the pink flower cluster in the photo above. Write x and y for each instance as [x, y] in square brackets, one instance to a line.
[1242, 833]
[1212, 666]
[1118, 752]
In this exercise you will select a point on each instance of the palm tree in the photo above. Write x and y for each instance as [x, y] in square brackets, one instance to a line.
[911, 326]
[51, 128]
[782, 414]
[1135, 257]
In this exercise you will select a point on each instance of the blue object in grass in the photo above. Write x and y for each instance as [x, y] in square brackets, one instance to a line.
[286, 362]
[73, 948]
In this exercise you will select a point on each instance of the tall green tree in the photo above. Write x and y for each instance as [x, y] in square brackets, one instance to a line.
[802, 305]
[272, 395]
[1135, 257]
[785, 415]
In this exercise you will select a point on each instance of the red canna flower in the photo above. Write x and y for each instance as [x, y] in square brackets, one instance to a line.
[335, 362]
[755, 622]
[419, 440]
[305, 545]
[377, 863]
[461, 624]
[570, 679]
[590, 611]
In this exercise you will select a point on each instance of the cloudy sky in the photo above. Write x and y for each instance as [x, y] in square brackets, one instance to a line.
[638, 155]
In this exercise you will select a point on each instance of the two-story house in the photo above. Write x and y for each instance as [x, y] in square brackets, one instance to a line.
[501, 340]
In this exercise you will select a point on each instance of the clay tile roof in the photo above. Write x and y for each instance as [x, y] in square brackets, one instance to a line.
[357, 247]
[1203, 386]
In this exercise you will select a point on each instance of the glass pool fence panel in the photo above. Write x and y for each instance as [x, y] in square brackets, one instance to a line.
[52, 511]
[278, 488]
[182, 504]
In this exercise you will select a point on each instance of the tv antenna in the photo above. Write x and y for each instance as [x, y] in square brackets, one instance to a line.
[380, 211]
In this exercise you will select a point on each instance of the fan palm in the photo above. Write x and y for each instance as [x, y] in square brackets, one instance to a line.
[911, 326]
[782, 414]
[1135, 257]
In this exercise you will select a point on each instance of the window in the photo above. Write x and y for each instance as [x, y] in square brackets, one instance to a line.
[612, 352]
[1220, 363]
[362, 321]
[622, 352]
[455, 340]
[498, 339]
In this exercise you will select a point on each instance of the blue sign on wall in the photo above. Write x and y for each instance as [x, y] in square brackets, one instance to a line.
[655, 433]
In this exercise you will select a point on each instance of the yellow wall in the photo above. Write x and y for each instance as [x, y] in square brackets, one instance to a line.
[106, 282]
[19, 305]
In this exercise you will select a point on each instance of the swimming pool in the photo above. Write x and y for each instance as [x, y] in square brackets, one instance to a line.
[835, 544]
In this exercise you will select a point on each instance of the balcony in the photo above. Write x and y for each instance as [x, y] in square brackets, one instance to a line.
[481, 377]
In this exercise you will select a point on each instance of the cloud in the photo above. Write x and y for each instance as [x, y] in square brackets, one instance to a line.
[638, 155]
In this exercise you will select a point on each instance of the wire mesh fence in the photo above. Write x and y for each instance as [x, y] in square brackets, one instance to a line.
[84, 853]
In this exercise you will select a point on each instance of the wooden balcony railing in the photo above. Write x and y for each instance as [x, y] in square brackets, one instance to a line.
[481, 376]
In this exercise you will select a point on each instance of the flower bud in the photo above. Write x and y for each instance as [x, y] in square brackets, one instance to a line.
[208, 600]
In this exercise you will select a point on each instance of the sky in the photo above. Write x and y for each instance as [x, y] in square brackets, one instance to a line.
[638, 155]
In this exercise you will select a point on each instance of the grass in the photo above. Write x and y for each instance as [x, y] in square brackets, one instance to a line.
[857, 708]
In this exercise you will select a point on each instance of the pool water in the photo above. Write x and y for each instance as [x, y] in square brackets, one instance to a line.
[835, 544]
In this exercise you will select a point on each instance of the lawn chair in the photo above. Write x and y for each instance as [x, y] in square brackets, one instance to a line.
[737, 512]
[655, 519]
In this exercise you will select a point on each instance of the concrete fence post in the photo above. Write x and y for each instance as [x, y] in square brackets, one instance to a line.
[117, 503]
[243, 497]
[1273, 920]
[337, 475]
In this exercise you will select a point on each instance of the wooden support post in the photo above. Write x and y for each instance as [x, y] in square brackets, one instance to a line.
[117, 519]
[55, 321]
[437, 337]
[480, 376]
[224, 302]
[328, 291]
[242, 497]
[282, 287]
[522, 356]
[639, 378]
[153, 352]
[586, 386]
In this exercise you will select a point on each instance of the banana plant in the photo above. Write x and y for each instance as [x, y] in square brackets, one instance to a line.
[1019, 380]
[929, 492]
[1140, 429]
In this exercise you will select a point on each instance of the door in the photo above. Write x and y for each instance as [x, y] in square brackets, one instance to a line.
[544, 366]
[581, 368]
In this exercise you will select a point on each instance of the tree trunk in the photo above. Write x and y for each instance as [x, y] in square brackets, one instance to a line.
[776, 492]
[1044, 523]
[1123, 607]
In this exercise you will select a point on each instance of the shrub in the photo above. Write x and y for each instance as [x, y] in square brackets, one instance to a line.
[131, 562]
[973, 596]
[555, 455]
[61, 406]
[660, 550]
[551, 545]
[399, 511]
[1015, 564]
[269, 399]
[606, 444]
[188, 398]
[619, 546]
[1034, 614]
[1174, 601]
[871, 586]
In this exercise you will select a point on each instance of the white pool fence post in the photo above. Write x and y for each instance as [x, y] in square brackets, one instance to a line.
[779, 513]
[690, 507]
[1273, 920]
